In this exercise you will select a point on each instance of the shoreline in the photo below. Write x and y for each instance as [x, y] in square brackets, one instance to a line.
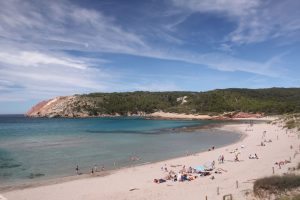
[118, 185]
[52, 181]
[161, 115]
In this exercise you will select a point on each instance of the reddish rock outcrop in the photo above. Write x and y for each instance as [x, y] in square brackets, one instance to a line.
[234, 115]
[35, 109]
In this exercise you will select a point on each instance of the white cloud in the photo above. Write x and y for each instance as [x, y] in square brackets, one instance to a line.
[228, 7]
[63, 25]
[34, 35]
[257, 20]
[26, 58]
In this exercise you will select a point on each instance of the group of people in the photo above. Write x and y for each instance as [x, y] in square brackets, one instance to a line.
[183, 175]
[280, 163]
[253, 156]
[93, 169]
[186, 174]
[221, 158]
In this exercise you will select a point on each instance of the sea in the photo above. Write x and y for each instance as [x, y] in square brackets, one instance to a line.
[35, 149]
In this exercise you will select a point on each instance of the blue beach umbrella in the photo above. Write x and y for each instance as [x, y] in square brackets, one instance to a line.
[200, 168]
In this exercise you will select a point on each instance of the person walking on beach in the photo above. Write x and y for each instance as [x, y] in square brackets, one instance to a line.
[237, 157]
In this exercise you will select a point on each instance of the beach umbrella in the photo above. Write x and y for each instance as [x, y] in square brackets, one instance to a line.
[208, 165]
[200, 168]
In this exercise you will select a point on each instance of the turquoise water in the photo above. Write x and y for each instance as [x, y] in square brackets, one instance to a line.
[40, 148]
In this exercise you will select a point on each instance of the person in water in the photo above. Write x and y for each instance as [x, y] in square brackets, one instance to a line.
[77, 170]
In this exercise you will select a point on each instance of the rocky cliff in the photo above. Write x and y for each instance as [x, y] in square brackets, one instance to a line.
[59, 107]
[72, 106]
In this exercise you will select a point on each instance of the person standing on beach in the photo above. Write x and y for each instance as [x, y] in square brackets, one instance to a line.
[95, 168]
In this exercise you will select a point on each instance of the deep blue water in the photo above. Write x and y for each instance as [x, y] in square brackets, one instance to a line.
[42, 148]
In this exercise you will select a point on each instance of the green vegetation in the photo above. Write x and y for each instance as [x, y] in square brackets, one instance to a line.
[277, 185]
[292, 121]
[269, 101]
[297, 197]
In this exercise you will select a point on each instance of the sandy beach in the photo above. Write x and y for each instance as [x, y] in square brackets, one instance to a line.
[237, 177]
[168, 115]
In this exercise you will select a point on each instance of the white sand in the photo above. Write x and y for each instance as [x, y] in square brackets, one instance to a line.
[168, 115]
[116, 186]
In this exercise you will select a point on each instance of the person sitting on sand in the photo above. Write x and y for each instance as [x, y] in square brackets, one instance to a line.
[256, 156]
[175, 178]
[179, 176]
[168, 177]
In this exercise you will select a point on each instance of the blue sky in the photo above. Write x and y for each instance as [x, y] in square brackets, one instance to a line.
[55, 48]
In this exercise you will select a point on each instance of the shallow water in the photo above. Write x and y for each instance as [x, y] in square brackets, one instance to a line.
[40, 148]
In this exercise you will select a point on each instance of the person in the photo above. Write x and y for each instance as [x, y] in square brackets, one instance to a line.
[77, 169]
[95, 168]
[175, 178]
[222, 158]
[92, 171]
[213, 164]
[179, 176]
[236, 157]
[183, 169]
[166, 169]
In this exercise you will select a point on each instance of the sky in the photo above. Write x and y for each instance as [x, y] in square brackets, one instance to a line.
[59, 47]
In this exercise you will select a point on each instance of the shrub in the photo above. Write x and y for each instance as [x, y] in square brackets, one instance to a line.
[275, 184]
